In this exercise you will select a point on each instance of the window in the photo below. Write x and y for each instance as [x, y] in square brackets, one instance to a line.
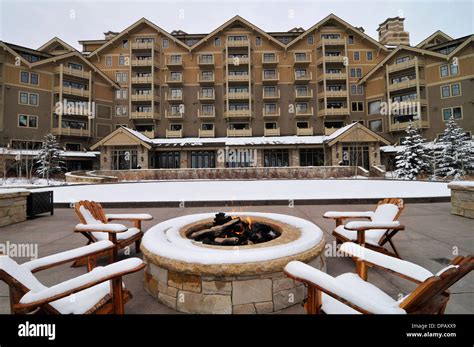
[121, 111]
[33, 100]
[375, 125]
[454, 69]
[121, 60]
[75, 66]
[357, 106]
[311, 157]
[75, 147]
[124, 159]
[29, 78]
[165, 43]
[121, 94]
[121, 77]
[24, 77]
[350, 39]
[455, 89]
[374, 107]
[271, 125]
[455, 112]
[370, 55]
[449, 70]
[108, 61]
[124, 43]
[176, 127]
[203, 159]
[34, 78]
[356, 56]
[167, 160]
[450, 90]
[402, 60]
[443, 70]
[217, 41]
[310, 39]
[276, 157]
[357, 89]
[356, 72]
[258, 41]
[24, 98]
[445, 91]
[207, 126]
[27, 121]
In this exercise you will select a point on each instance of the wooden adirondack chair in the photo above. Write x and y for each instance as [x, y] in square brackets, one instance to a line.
[388, 210]
[95, 225]
[99, 291]
[350, 294]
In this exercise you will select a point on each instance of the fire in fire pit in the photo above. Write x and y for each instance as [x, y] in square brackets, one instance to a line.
[234, 231]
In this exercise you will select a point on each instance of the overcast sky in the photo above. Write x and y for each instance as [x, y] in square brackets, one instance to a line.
[32, 22]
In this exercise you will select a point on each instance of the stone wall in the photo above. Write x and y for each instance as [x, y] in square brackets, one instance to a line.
[462, 198]
[12, 206]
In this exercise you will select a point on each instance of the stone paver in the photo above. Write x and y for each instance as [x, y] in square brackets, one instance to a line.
[432, 235]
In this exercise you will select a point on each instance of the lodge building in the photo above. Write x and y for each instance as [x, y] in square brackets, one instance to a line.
[328, 95]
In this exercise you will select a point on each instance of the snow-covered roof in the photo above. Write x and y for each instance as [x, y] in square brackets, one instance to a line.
[34, 152]
[339, 132]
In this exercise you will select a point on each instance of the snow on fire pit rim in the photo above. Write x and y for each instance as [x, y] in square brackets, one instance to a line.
[165, 240]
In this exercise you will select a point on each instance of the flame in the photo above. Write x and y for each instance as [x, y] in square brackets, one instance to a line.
[249, 220]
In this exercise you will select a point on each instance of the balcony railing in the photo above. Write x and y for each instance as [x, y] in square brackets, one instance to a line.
[304, 131]
[303, 78]
[141, 79]
[144, 115]
[173, 79]
[237, 43]
[403, 65]
[142, 62]
[302, 59]
[149, 133]
[144, 45]
[174, 133]
[333, 59]
[333, 76]
[174, 61]
[304, 112]
[405, 84]
[142, 97]
[333, 94]
[341, 111]
[237, 61]
[204, 79]
[329, 131]
[271, 113]
[238, 95]
[332, 42]
[270, 78]
[401, 126]
[301, 95]
[74, 72]
[206, 113]
[207, 133]
[237, 114]
[72, 91]
[237, 78]
[173, 115]
[71, 132]
[239, 132]
[271, 132]
[271, 95]
[174, 97]
[206, 60]
[206, 97]
[270, 60]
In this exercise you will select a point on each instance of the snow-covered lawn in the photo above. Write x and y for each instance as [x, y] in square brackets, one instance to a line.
[203, 190]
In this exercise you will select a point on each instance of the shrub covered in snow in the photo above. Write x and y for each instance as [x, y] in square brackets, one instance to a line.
[414, 157]
[49, 157]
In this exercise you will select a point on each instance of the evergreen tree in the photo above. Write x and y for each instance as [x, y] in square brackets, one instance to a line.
[413, 158]
[49, 158]
[454, 153]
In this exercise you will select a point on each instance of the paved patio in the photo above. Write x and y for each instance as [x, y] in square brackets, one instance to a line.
[431, 236]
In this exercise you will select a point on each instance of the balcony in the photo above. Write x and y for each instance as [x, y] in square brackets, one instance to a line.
[403, 125]
[73, 72]
[207, 133]
[172, 134]
[238, 78]
[205, 60]
[174, 80]
[174, 61]
[203, 79]
[144, 115]
[238, 43]
[304, 131]
[148, 133]
[73, 91]
[206, 113]
[206, 97]
[325, 112]
[329, 131]
[237, 61]
[333, 94]
[338, 76]
[71, 132]
[304, 112]
[331, 59]
[237, 114]
[271, 132]
[404, 65]
[303, 78]
[274, 95]
[141, 79]
[303, 95]
[405, 85]
[302, 59]
[143, 45]
[270, 60]
[239, 132]
[142, 62]
[270, 78]
[332, 42]
[173, 114]
[170, 97]
[141, 97]
[271, 113]
[238, 96]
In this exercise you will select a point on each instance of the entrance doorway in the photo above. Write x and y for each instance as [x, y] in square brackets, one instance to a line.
[356, 156]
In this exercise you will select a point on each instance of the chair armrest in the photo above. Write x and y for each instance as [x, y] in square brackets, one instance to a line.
[329, 285]
[410, 271]
[98, 275]
[107, 228]
[362, 225]
[349, 214]
[129, 216]
[67, 256]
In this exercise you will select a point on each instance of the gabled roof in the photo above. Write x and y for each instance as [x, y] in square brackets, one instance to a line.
[436, 34]
[144, 141]
[81, 57]
[332, 16]
[468, 40]
[231, 22]
[15, 54]
[133, 26]
[345, 131]
[395, 51]
[55, 41]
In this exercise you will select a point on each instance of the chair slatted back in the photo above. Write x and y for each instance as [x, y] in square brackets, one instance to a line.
[432, 288]
[93, 207]
[395, 201]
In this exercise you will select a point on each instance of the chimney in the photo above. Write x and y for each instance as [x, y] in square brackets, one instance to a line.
[392, 32]
[110, 35]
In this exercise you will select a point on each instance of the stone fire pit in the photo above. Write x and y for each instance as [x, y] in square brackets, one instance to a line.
[192, 277]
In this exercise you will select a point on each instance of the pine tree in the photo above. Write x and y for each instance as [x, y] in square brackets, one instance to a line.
[454, 157]
[413, 158]
[49, 157]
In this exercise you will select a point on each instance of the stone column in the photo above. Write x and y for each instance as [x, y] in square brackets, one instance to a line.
[183, 159]
[294, 157]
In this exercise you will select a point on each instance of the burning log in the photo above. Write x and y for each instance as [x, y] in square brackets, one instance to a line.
[213, 231]
[226, 241]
